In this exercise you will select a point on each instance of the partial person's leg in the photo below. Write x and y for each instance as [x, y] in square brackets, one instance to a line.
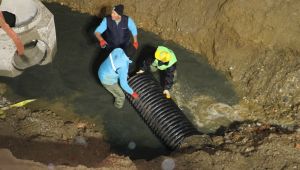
[130, 51]
[168, 78]
[153, 69]
[117, 92]
[175, 77]
[108, 49]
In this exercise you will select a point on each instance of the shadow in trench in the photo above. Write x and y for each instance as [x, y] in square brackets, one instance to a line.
[88, 32]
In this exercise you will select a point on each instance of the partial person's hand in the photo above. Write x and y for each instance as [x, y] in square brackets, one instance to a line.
[135, 95]
[136, 45]
[140, 72]
[167, 93]
[103, 43]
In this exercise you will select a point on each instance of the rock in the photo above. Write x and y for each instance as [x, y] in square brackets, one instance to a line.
[80, 140]
[81, 125]
[196, 142]
[4, 102]
[249, 149]
[3, 88]
[219, 140]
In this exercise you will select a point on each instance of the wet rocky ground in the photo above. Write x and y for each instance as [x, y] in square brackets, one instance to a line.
[46, 137]
[41, 139]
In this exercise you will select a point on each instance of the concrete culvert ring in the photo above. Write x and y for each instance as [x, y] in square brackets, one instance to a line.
[35, 53]
[25, 10]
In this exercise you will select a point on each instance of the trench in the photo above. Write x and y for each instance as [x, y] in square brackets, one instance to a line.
[70, 83]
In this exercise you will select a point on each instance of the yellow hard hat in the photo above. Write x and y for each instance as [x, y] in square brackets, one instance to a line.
[162, 55]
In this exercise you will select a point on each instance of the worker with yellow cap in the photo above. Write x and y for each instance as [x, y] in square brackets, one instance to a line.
[164, 60]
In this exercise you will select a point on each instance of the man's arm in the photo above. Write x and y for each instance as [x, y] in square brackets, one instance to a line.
[135, 39]
[100, 29]
[123, 74]
[99, 36]
[133, 29]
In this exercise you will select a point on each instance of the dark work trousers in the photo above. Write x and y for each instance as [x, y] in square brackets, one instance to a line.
[167, 77]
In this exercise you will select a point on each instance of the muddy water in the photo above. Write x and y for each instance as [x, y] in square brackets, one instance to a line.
[70, 84]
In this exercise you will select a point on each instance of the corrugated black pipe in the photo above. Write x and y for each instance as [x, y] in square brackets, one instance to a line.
[162, 115]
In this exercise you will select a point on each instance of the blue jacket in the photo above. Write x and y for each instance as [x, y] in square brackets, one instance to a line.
[103, 26]
[117, 35]
[115, 67]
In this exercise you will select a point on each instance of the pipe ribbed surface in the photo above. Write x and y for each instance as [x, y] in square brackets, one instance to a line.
[162, 115]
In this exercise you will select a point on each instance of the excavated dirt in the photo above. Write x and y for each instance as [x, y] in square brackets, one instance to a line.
[256, 44]
[53, 141]
[43, 139]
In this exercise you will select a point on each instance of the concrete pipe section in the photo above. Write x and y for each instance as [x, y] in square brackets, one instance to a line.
[162, 115]
[35, 26]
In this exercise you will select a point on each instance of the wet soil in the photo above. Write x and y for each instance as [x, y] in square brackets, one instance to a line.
[46, 137]
[55, 139]
[52, 141]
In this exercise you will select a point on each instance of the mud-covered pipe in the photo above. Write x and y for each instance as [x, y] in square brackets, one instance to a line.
[162, 115]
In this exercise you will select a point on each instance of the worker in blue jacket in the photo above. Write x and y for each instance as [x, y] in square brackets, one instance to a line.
[114, 70]
[117, 29]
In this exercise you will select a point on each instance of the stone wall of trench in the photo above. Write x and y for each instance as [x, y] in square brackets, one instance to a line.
[256, 43]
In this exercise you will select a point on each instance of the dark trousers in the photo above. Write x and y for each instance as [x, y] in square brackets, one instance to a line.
[167, 77]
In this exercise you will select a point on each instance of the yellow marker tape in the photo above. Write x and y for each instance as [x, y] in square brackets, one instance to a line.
[19, 104]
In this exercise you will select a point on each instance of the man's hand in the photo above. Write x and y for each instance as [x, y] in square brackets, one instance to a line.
[135, 44]
[140, 72]
[103, 43]
[167, 93]
[135, 96]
